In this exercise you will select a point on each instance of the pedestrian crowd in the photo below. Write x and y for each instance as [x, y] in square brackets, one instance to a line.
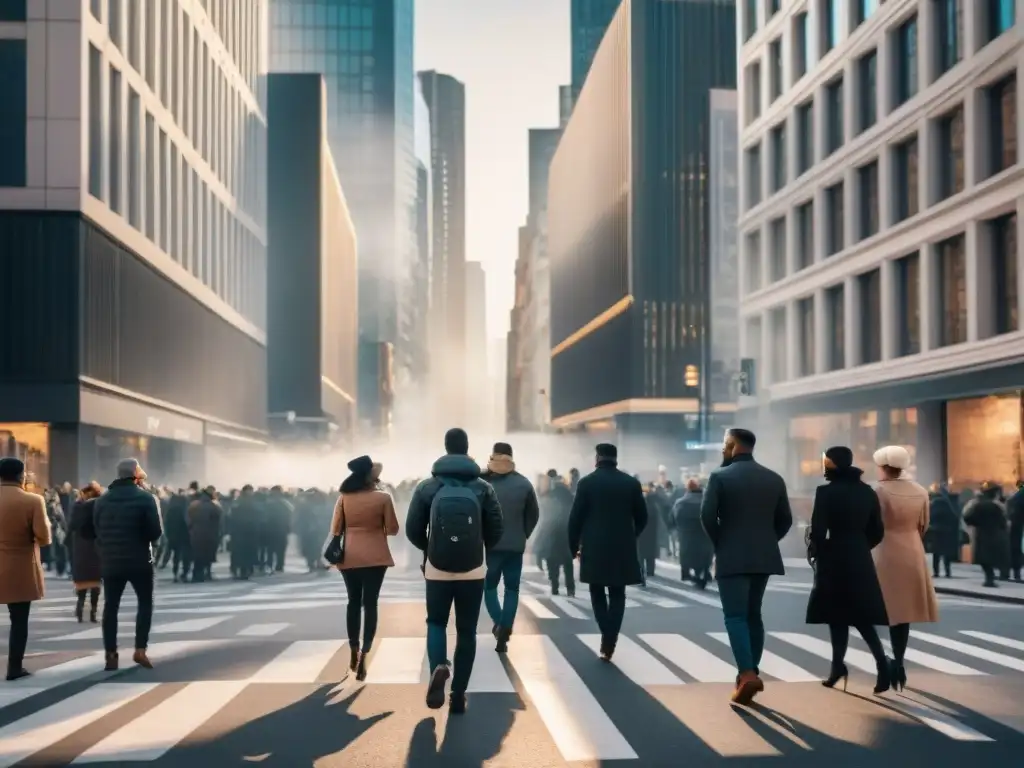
[474, 526]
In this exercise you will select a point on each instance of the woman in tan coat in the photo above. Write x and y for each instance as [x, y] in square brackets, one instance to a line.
[900, 559]
[365, 516]
[24, 528]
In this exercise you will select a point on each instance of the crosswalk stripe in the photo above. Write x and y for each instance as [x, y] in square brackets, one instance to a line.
[698, 663]
[398, 661]
[34, 733]
[935, 719]
[936, 662]
[262, 630]
[855, 658]
[537, 608]
[631, 603]
[690, 594]
[151, 735]
[578, 725]
[126, 628]
[1006, 642]
[634, 662]
[661, 602]
[773, 665]
[568, 608]
[977, 652]
[300, 662]
[51, 677]
[489, 674]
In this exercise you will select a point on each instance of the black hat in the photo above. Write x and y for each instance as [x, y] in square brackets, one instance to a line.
[361, 466]
[552, 473]
[607, 451]
[502, 449]
[11, 469]
[841, 456]
[456, 441]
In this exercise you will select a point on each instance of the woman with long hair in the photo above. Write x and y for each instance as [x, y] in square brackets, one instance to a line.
[85, 559]
[364, 516]
[846, 524]
[900, 558]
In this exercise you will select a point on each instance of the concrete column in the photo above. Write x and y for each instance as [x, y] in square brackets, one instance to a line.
[885, 76]
[889, 321]
[819, 125]
[976, 165]
[767, 360]
[981, 262]
[927, 63]
[821, 331]
[851, 208]
[972, 269]
[886, 179]
[792, 243]
[974, 16]
[929, 296]
[793, 340]
[764, 231]
[927, 165]
[851, 101]
[820, 225]
[852, 321]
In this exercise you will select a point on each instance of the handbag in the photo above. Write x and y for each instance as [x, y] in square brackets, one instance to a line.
[335, 552]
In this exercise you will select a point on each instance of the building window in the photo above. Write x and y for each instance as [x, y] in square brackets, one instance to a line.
[905, 179]
[116, 98]
[753, 175]
[1004, 272]
[774, 70]
[13, 113]
[754, 276]
[805, 235]
[834, 115]
[13, 10]
[778, 139]
[870, 291]
[95, 123]
[949, 37]
[774, 6]
[867, 189]
[950, 140]
[952, 274]
[777, 239]
[906, 64]
[867, 90]
[805, 320]
[863, 9]
[831, 13]
[834, 239]
[754, 91]
[134, 161]
[908, 304]
[151, 178]
[134, 35]
[804, 137]
[1000, 16]
[801, 57]
[749, 19]
[1001, 100]
[835, 312]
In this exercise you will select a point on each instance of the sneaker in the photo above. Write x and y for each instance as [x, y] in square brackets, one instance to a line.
[435, 688]
[457, 703]
[140, 658]
[111, 662]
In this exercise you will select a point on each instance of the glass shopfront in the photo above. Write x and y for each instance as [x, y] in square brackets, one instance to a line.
[29, 442]
[983, 438]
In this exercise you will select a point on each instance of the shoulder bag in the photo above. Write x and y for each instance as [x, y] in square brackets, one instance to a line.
[335, 552]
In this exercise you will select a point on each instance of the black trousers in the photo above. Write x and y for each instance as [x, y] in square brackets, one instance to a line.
[840, 636]
[114, 584]
[18, 639]
[363, 587]
[609, 605]
[564, 567]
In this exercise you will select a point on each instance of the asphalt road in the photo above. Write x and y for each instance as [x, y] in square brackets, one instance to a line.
[255, 673]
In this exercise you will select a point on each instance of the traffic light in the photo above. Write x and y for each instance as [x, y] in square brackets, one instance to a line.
[747, 377]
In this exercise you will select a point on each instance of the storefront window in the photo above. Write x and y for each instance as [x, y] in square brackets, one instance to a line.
[29, 442]
[983, 439]
[864, 440]
[809, 437]
[903, 431]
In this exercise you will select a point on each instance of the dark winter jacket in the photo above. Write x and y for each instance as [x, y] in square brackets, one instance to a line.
[85, 558]
[125, 524]
[518, 501]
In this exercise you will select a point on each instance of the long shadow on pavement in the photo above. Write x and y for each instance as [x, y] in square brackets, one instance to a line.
[468, 741]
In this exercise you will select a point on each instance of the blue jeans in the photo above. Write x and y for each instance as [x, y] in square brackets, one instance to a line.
[741, 603]
[465, 596]
[507, 567]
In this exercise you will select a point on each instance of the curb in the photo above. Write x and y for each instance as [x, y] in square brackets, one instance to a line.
[992, 597]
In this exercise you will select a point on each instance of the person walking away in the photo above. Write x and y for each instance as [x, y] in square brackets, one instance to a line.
[364, 516]
[943, 533]
[648, 544]
[126, 525]
[520, 513]
[695, 549]
[987, 516]
[243, 528]
[204, 526]
[85, 559]
[178, 537]
[279, 526]
[745, 512]
[607, 517]
[900, 558]
[553, 538]
[24, 529]
[454, 518]
[308, 529]
[846, 524]
[1015, 511]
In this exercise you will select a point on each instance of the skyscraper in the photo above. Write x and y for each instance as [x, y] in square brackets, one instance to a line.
[589, 19]
[446, 100]
[132, 235]
[365, 52]
[419, 302]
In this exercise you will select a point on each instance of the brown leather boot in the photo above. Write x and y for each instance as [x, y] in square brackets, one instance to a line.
[748, 685]
[111, 663]
[140, 658]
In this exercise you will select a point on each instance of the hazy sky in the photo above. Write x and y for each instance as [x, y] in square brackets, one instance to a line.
[511, 55]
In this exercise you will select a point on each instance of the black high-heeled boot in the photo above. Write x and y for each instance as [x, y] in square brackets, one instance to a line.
[884, 679]
[838, 672]
[897, 675]
[353, 659]
[361, 667]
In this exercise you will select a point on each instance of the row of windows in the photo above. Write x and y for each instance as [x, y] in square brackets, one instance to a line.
[997, 135]
[297, 39]
[998, 302]
[950, 46]
[320, 14]
[141, 174]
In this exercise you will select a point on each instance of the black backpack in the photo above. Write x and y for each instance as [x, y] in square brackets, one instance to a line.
[456, 538]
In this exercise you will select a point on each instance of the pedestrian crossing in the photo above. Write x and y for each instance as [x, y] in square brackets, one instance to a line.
[558, 678]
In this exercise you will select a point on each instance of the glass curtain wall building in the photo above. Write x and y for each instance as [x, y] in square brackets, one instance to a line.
[364, 50]
[589, 19]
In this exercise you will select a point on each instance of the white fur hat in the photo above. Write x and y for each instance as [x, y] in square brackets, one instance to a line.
[895, 456]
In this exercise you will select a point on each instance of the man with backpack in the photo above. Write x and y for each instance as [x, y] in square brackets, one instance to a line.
[454, 518]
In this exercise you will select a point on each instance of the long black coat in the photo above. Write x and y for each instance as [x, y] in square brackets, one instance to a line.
[85, 559]
[608, 514]
[695, 548]
[943, 527]
[991, 532]
[846, 524]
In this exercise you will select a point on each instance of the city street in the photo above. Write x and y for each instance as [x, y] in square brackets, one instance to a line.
[256, 673]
